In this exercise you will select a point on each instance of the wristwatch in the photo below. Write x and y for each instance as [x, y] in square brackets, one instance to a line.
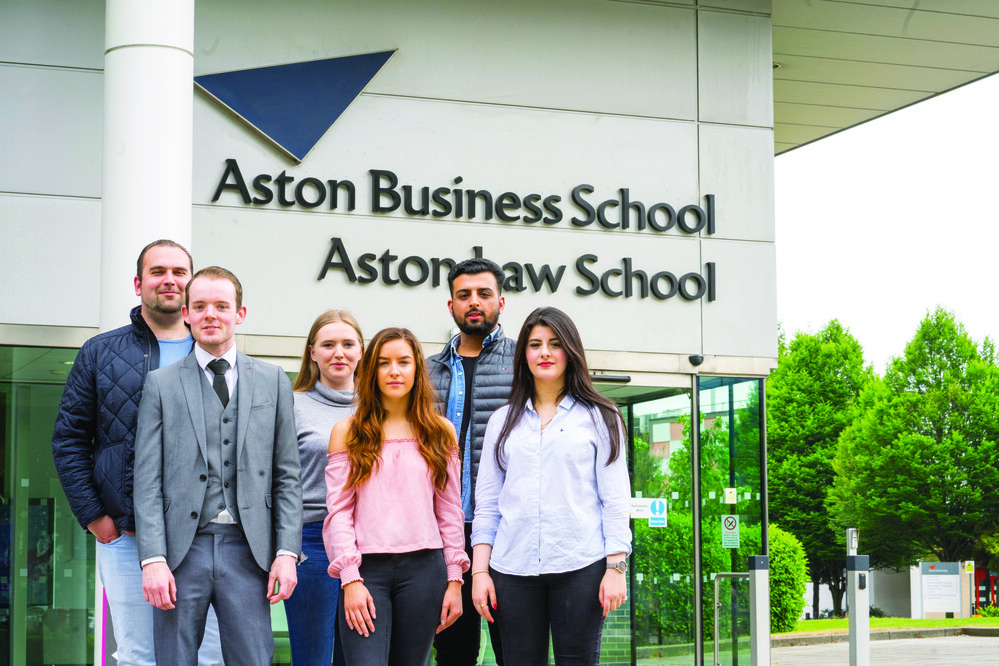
[620, 567]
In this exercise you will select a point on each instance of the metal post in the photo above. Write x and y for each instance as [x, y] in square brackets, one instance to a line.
[857, 572]
[759, 610]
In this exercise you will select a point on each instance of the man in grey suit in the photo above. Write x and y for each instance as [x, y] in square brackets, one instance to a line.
[218, 498]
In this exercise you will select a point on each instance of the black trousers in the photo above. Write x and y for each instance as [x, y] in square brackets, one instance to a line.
[458, 645]
[567, 604]
[408, 591]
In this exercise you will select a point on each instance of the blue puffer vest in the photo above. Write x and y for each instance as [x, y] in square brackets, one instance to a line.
[94, 440]
[490, 388]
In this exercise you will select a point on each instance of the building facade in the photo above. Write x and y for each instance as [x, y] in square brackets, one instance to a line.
[616, 158]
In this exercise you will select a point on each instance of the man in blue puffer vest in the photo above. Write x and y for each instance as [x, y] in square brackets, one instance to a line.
[472, 378]
[94, 440]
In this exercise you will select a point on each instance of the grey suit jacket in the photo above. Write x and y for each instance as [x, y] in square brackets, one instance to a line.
[171, 464]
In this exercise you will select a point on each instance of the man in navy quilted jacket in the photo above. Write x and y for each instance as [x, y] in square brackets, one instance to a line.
[94, 440]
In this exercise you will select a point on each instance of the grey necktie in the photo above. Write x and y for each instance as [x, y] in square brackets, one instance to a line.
[219, 366]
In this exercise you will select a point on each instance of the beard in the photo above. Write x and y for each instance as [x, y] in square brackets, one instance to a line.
[165, 307]
[483, 328]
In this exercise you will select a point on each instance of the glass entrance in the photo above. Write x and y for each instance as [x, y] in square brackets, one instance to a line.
[732, 473]
[46, 560]
[662, 579]
[698, 454]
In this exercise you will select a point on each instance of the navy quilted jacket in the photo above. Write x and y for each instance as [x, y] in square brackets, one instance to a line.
[94, 440]
[490, 388]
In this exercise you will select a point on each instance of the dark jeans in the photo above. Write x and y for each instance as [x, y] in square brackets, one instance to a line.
[458, 645]
[311, 609]
[408, 591]
[567, 603]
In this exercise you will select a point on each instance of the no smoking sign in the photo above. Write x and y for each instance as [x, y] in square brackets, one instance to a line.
[730, 531]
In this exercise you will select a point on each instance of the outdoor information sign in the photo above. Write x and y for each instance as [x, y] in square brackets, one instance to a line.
[941, 587]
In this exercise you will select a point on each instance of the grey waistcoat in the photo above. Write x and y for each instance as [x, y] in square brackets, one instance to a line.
[221, 492]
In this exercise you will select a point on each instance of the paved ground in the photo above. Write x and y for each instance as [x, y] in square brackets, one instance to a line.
[949, 651]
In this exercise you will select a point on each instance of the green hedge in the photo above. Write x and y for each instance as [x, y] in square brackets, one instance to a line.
[788, 578]
[663, 601]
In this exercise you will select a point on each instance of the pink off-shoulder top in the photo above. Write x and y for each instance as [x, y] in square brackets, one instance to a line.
[397, 510]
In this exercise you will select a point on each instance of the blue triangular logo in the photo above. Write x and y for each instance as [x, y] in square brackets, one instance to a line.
[294, 105]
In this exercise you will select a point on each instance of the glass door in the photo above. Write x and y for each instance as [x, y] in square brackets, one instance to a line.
[662, 565]
[732, 508]
[46, 559]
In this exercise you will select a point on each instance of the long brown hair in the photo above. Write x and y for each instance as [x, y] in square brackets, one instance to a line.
[578, 384]
[309, 373]
[364, 437]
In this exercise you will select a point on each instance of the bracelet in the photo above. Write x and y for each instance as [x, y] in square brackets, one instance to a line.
[480, 571]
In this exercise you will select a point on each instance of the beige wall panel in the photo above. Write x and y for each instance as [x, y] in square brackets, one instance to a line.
[747, 286]
[735, 80]
[589, 55]
[752, 6]
[916, 52]
[60, 33]
[737, 162]
[429, 143]
[50, 133]
[50, 261]
[830, 116]
[913, 21]
[808, 92]
[870, 74]
[966, 7]
[279, 255]
[799, 134]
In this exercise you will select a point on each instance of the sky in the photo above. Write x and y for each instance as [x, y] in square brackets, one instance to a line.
[881, 223]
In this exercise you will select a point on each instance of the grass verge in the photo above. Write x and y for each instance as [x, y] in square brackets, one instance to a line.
[883, 623]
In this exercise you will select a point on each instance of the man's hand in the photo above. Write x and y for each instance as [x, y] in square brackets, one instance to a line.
[283, 579]
[158, 585]
[104, 529]
[451, 609]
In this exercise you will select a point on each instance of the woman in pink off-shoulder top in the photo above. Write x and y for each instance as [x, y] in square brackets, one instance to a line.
[395, 529]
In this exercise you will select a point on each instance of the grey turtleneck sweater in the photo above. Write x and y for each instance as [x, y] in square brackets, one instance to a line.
[316, 412]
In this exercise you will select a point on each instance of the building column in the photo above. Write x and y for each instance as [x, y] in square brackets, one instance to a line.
[148, 136]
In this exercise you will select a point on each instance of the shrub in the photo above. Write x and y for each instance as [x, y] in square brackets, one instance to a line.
[876, 612]
[788, 578]
[988, 611]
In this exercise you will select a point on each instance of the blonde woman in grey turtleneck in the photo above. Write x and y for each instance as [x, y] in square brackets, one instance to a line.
[324, 391]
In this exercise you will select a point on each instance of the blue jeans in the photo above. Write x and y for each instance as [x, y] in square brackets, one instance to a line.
[131, 614]
[567, 603]
[311, 609]
[408, 592]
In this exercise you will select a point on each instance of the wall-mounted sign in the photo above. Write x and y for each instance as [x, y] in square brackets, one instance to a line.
[730, 531]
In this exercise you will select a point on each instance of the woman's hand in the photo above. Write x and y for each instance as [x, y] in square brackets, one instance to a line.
[613, 590]
[451, 610]
[359, 608]
[484, 594]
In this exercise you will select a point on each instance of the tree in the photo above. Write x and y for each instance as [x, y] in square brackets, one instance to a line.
[811, 398]
[916, 470]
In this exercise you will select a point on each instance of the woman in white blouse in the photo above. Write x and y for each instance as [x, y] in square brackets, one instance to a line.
[550, 534]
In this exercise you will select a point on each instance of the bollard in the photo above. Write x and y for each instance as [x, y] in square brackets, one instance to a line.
[759, 610]
[858, 596]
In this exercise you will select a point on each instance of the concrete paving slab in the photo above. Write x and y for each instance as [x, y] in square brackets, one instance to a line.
[941, 651]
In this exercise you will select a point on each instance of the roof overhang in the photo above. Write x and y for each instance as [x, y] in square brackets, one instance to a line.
[839, 63]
